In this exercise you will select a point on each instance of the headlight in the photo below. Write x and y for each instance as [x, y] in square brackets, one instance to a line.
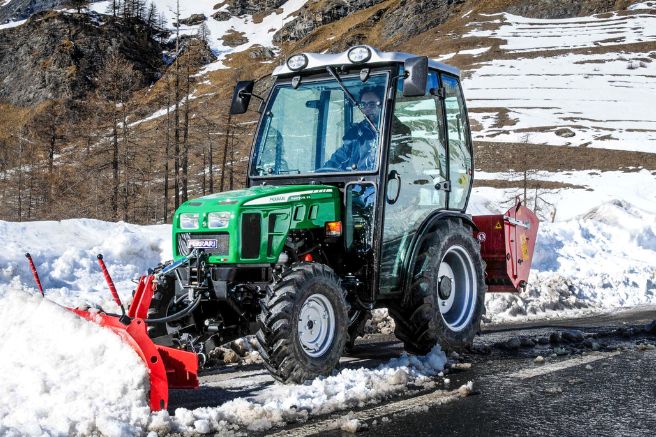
[217, 220]
[297, 62]
[189, 221]
[359, 54]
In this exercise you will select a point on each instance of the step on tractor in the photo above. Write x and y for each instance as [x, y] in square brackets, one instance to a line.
[358, 184]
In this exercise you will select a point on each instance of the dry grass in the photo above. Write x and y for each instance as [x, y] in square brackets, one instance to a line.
[499, 157]
[530, 184]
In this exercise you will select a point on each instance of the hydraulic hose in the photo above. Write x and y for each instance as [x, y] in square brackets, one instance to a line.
[180, 314]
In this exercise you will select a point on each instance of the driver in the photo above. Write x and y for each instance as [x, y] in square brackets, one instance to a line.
[360, 141]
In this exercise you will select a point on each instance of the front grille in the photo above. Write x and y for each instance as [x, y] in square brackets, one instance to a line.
[221, 247]
[251, 230]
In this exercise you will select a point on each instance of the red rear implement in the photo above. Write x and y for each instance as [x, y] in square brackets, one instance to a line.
[507, 243]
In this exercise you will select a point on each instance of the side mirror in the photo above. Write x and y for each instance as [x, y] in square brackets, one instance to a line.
[241, 97]
[414, 84]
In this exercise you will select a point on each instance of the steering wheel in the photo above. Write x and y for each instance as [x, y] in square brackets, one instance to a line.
[327, 170]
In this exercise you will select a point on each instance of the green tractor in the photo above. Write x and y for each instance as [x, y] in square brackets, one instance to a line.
[358, 181]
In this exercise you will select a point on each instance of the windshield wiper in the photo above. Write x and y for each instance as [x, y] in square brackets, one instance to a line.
[348, 94]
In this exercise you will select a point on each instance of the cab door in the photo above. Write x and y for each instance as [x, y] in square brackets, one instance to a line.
[416, 162]
[459, 144]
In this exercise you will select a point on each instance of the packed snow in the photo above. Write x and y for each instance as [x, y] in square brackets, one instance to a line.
[573, 73]
[64, 254]
[279, 404]
[599, 260]
[80, 379]
[61, 375]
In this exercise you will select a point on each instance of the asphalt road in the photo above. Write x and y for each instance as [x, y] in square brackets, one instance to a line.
[598, 378]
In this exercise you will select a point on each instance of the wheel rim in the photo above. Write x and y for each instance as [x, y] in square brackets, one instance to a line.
[457, 309]
[316, 325]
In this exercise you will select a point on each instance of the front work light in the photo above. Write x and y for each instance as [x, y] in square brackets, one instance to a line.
[333, 229]
[218, 220]
[359, 54]
[189, 221]
[297, 62]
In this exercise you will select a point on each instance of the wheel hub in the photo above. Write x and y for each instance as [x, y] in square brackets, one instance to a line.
[444, 289]
[457, 288]
[316, 325]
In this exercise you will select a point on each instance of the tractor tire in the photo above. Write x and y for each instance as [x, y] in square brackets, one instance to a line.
[159, 307]
[443, 311]
[303, 325]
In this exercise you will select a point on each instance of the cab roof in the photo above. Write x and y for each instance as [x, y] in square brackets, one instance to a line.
[318, 61]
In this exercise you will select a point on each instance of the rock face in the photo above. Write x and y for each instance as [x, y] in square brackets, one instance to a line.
[414, 17]
[16, 10]
[58, 55]
[250, 7]
[319, 13]
[193, 19]
[407, 18]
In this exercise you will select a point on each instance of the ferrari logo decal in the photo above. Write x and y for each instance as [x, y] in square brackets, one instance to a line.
[498, 225]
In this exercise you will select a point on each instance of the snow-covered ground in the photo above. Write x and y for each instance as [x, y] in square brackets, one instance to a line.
[575, 73]
[61, 375]
[65, 256]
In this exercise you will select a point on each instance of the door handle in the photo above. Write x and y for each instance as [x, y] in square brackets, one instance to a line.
[393, 175]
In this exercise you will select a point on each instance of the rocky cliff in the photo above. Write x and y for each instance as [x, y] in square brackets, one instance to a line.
[58, 55]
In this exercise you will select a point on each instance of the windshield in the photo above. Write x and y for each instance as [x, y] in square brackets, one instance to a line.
[315, 128]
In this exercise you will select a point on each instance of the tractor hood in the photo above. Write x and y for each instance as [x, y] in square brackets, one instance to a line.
[251, 225]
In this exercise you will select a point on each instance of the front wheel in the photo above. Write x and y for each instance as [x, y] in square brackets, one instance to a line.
[303, 324]
[446, 299]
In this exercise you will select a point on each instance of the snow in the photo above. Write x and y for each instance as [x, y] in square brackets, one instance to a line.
[12, 24]
[61, 375]
[279, 404]
[600, 260]
[602, 91]
[642, 5]
[73, 380]
[65, 256]
[598, 188]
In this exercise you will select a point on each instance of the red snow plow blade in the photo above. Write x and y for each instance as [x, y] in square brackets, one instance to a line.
[507, 244]
[167, 367]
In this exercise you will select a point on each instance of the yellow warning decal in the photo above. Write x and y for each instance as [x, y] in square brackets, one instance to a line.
[523, 241]
[498, 225]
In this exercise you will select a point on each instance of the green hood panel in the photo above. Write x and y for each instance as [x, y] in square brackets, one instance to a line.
[256, 220]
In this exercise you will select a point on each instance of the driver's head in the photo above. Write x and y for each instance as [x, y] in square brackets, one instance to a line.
[371, 102]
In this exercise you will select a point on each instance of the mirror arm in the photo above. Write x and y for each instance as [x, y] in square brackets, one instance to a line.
[243, 93]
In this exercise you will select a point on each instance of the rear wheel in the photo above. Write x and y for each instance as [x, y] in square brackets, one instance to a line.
[447, 296]
[303, 324]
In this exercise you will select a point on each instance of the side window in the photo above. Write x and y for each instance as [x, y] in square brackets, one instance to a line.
[460, 159]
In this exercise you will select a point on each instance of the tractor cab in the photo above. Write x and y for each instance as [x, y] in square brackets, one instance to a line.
[389, 130]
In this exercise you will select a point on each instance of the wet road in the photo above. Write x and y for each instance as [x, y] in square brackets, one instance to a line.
[599, 380]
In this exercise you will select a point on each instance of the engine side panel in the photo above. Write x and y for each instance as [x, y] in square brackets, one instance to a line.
[259, 221]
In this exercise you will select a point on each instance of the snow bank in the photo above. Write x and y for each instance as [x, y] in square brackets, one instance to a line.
[602, 260]
[65, 256]
[279, 404]
[61, 375]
